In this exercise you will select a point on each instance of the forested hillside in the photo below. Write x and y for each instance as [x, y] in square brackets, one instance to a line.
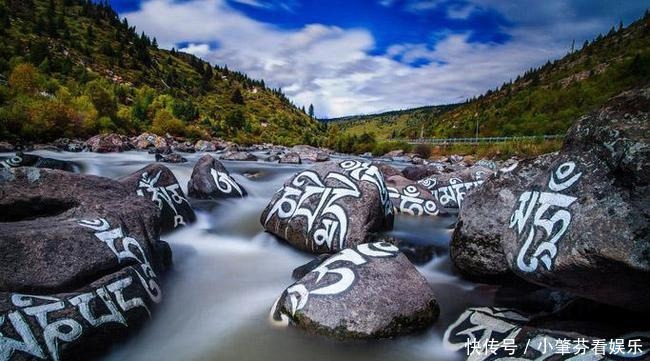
[72, 68]
[542, 101]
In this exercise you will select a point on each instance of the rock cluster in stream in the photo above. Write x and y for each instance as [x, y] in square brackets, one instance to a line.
[80, 263]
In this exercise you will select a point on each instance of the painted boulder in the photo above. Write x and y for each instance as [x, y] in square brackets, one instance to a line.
[331, 206]
[409, 197]
[450, 189]
[506, 334]
[158, 184]
[475, 247]
[578, 220]
[238, 156]
[291, 158]
[109, 143]
[30, 160]
[80, 262]
[211, 180]
[364, 292]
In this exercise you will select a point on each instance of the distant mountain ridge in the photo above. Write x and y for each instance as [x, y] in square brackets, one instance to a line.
[72, 68]
[542, 101]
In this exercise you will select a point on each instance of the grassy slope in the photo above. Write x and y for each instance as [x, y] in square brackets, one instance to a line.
[110, 51]
[544, 101]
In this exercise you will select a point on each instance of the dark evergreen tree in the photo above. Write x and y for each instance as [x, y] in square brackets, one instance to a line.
[237, 97]
[311, 111]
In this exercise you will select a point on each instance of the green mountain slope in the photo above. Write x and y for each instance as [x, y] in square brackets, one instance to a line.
[542, 101]
[71, 68]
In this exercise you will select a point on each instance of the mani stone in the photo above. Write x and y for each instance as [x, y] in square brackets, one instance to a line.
[579, 219]
[475, 247]
[291, 158]
[80, 264]
[109, 143]
[30, 160]
[158, 184]
[409, 197]
[211, 180]
[368, 291]
[331, 206]
[450, 189]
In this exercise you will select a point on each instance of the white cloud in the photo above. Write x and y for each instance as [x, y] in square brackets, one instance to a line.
[332, 67]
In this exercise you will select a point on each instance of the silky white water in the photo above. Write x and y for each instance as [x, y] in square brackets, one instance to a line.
[228, 272]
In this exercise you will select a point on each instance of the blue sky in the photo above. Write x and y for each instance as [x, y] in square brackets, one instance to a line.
[354, 57]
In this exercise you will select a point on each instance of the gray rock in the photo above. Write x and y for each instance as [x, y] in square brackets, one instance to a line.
[109, 143]
[366, 292]
[311, 154]
[30, 160]
[170, 158]
[579, 219]
[291, 158]
[80, 260]
[6, 147]
[409, 197]
[205, 146]
[149, 140]
[475, 247]
[485, 163]
[211, 180]
[238, 156]
[185, 147]
[418, 172]
[386, 169]
[331, 206]
[158, 184]
[450, 189]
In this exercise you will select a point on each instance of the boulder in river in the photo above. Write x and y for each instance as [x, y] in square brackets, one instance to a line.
[331, 206]
[30, 160]
[170, 158]
[6, 147]
[211, 180]
[291, 158]
[418, 172]
[238, 156]
[158, 184]
[310, 153]
[149, 140]
[386, 169]
[365, 292]
[576, 221]
[205, 146]
[80, 262]
[109, 143]
[412, 198]
[450, 188]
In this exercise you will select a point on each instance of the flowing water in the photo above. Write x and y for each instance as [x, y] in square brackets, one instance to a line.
[228, 272]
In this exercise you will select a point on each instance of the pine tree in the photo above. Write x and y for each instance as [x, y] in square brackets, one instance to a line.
[237, 97]
[311, 111]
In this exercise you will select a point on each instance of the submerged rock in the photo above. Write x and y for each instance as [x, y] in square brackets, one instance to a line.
[158, 184]
[366, 292]
[80, 260]
[409, 197]
[30, 160]
[211, 180]
[329, 207]
[109, 143]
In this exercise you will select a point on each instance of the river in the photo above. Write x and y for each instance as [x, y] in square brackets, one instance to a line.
[228, 272]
